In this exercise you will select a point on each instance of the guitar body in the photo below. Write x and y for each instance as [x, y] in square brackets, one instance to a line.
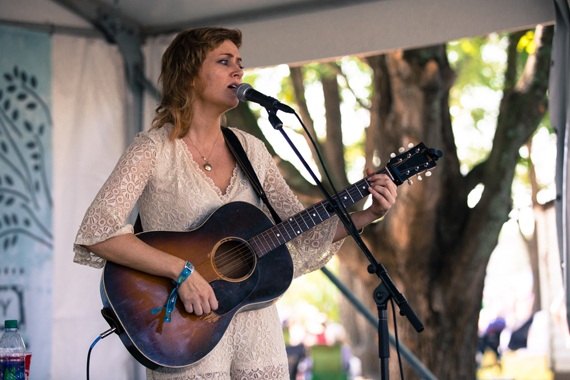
[221, 254]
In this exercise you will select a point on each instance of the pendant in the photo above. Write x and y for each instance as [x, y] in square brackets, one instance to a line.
[208, 167]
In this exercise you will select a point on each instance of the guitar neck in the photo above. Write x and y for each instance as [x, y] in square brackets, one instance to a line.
[415, 161]
[307, 219]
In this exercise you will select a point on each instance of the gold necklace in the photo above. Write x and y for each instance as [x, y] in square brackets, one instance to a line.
[207, 165]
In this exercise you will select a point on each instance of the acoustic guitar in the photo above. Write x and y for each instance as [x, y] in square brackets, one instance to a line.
[243, 256]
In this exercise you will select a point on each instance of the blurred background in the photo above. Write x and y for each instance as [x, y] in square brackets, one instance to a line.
[473, 247]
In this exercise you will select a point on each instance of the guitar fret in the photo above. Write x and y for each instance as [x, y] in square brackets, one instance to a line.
[289, 228]
[360, 192]
[309, 220]
[317, 213]
[296, 231]
[264, 238]
[325, 210]
[286, 230]
[311, 215]
[255, 244]
[268, 238]
[279, 234]
[304, 221]
[352, 199]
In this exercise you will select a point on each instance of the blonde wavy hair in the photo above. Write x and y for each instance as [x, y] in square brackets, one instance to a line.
[181, 64]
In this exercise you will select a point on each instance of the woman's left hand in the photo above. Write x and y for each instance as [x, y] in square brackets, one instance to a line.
[383, 191]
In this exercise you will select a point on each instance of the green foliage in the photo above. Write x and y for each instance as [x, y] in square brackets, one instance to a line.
[480, 65]
[479, 61]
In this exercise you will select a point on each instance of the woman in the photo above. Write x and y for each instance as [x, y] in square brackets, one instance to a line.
[179, 173]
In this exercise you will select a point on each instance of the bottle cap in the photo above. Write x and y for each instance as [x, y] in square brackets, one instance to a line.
[10, 324]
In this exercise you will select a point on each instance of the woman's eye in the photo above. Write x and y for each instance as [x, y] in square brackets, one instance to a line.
[224, 61]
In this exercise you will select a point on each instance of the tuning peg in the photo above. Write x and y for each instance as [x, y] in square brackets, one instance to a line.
[392, 155]
[428, 174]
[410, 182]
[402, 150]
[410, 145]
[420, 178]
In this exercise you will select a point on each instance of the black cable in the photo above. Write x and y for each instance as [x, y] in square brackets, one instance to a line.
[396, 337]
[101, 336]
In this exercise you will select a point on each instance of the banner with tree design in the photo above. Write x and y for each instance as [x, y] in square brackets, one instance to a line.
[26, 206]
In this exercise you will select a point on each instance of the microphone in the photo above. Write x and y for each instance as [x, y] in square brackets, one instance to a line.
[245, 92]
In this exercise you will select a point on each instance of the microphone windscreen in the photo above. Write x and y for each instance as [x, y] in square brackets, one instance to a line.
[241, 90]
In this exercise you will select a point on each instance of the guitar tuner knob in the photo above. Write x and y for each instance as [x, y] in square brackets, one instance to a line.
[428, 174]
[420, 178]
[392, 155]
[409, 155]
[410, 145]
[410, 182]
[402, 150]
[417, 150]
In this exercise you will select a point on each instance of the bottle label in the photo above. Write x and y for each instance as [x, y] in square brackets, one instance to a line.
[13, 368]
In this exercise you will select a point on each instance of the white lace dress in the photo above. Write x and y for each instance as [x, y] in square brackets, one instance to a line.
[174, 194]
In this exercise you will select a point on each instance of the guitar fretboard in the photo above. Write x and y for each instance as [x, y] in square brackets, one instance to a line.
[297, 224]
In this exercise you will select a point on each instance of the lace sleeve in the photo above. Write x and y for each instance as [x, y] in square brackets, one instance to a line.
[312, 249]
[106, 216]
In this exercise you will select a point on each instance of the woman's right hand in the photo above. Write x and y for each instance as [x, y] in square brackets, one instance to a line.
[197, 295]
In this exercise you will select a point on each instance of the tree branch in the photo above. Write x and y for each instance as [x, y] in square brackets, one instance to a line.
[299, 90]
[475, 176]
[521, 110]
[512, 57]
[336, 67]
[333, 146]
[380, 106]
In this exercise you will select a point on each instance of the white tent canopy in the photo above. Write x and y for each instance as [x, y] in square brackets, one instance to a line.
[290, 31]
[92, 106]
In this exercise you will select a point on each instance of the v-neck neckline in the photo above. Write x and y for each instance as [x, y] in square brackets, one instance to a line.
[210, 181]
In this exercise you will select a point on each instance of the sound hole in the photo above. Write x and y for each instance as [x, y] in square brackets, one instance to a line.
[234, 259]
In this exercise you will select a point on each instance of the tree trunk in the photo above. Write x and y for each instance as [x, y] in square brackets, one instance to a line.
[433, 246]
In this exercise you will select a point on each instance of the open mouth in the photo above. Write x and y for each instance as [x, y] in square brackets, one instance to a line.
[232, 86]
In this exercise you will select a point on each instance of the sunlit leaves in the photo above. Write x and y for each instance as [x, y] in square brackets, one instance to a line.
[479, 61]
[480, 64]
[527, 43]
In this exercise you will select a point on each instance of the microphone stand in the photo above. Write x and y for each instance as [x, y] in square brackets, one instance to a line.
[387, 289]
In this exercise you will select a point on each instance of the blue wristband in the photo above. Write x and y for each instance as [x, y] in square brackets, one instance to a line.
[188, 270]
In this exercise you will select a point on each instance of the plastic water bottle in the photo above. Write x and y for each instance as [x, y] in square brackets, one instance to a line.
[12, 353]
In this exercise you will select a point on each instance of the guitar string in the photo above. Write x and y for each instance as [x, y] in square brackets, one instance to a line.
[246, 259]
[266, 235]
[244, 251]
[239, 262]
[269, 237]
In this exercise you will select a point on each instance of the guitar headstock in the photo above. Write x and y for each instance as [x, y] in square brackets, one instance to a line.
[415, 161]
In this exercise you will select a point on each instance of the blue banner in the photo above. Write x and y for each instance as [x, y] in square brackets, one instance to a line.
[26, 205]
